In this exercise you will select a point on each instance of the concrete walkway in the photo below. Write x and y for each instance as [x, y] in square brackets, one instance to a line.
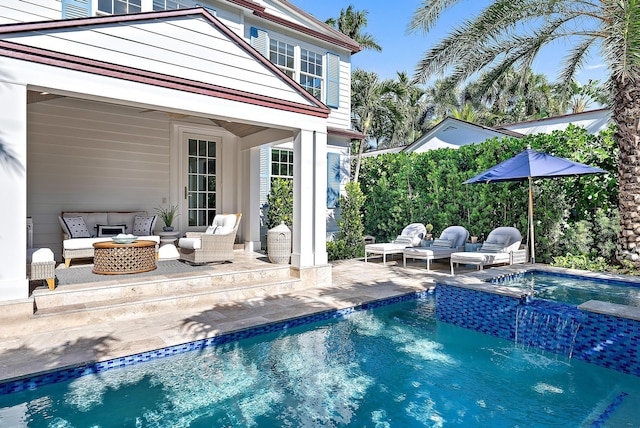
[354, 282]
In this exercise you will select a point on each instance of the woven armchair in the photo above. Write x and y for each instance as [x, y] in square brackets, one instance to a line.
[200, 248]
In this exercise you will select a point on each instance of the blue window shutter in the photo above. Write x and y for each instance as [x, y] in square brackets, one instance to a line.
[333, 179]
[260, 41]
[76, 9]
[333, 80]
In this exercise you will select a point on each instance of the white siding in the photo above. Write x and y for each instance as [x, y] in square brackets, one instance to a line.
[85, 156]
[12, 11]
[186, 47]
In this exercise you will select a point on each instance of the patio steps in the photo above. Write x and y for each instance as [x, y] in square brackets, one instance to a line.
[82, 305]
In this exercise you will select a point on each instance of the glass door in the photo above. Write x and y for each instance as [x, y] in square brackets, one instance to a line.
[201, 189]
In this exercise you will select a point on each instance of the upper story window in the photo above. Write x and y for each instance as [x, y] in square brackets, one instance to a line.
[311, 72]
[119, 7]
[171, 4]
[282, 55]
[281, 163]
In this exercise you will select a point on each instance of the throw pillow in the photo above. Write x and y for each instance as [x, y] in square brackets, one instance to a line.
[492, 247]
[111, 230]
[438, 242]
[77, 227]
[211, 230]
[143, 225]
[404, 240]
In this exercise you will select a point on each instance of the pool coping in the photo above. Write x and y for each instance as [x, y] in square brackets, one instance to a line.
[74, 371]
[480, 281]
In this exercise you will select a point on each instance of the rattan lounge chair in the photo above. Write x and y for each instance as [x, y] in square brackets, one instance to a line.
[451, 240]
[215, 245]
[503, 246]
[411, 236]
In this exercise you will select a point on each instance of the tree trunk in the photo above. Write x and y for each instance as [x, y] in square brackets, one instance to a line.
[626, 115]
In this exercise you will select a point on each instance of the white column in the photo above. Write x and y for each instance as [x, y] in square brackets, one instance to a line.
[251, 201]
[309, 199]
[13, 191]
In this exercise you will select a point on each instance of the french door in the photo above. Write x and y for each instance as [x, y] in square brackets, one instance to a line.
[201, 155]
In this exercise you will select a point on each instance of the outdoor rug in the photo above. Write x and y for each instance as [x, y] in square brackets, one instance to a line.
[82, 274]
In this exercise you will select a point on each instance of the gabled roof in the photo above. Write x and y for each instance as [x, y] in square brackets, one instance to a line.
[187, 49]
[593, 121]
[453, 133]
[321, 31]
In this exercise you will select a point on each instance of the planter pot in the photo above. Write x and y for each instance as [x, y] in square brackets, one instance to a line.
[167, 229]
[279, 244]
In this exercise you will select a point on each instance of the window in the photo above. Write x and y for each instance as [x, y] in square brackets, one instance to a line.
[311, 72]
[281, 163]
[119, 7]
[281, 54]
[171, 4]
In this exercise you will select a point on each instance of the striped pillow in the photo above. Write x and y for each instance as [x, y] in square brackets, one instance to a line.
[439, 242]
[492, 247]
[404, 240]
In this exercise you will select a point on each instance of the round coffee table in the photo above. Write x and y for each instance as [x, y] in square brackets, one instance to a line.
[113, 259]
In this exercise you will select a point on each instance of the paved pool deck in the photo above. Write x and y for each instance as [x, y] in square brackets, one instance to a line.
[354, 283]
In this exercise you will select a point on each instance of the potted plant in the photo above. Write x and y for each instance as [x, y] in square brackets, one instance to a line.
[429, 228]
[167, 215]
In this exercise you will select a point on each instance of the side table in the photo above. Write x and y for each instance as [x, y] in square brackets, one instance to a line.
[468, 247]
[168, 250]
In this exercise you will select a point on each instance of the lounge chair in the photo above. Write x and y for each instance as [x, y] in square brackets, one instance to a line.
[502, 246]
[214, 245]
[411, 236]
[451, 240]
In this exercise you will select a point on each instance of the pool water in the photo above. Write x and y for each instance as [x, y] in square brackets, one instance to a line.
[394, 366]
[575, 291]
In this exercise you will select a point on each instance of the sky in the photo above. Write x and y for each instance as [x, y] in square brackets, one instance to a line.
[387, 22]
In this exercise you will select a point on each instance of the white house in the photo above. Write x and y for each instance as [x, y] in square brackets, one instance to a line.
[453, 133]
[108, 105]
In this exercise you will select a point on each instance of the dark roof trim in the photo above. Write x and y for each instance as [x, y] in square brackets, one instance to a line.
[82, 22]
[354, 135]
[56, 59]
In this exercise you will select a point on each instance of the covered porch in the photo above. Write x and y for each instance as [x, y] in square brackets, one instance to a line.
[87, 130]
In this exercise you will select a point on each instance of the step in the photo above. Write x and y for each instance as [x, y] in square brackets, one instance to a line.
[77, 315]
[87, 294]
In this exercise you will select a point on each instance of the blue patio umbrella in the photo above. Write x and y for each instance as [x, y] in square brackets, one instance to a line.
[530, 164]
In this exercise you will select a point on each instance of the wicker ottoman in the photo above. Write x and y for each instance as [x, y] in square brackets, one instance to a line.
[41, 266]
[112, 259]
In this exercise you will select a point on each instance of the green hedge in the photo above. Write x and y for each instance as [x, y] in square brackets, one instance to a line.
[427, 187]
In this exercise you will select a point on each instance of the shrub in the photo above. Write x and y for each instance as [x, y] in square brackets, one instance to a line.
[349, 243]
[280, 201]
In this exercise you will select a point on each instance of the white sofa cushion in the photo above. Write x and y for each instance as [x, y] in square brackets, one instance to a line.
[224, 224]
[39, 255]
[190, 243]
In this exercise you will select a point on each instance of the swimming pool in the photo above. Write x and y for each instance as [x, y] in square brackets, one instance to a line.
[573, 289]
[390, 366]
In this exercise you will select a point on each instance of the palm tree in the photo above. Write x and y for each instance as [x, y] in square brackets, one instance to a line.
[351, 22]
[511, 33]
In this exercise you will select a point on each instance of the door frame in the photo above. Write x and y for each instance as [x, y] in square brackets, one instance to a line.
[178, 174]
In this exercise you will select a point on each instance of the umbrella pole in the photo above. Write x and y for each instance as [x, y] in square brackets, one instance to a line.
[533, 247]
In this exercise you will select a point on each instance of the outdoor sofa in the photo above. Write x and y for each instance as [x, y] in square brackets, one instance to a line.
[451, 240]
[81, 230]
